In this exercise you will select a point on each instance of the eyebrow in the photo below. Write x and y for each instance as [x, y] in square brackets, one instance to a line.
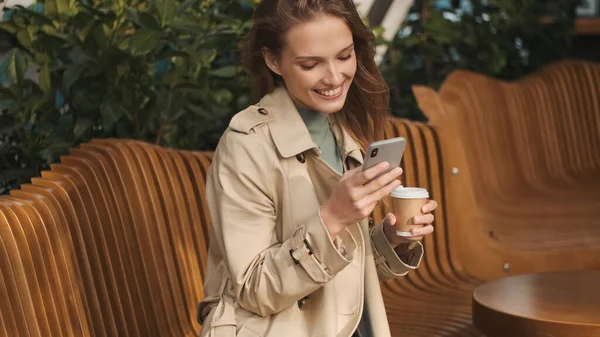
[300, 58]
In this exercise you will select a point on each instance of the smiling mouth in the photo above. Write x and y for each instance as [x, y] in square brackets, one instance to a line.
[330, 93]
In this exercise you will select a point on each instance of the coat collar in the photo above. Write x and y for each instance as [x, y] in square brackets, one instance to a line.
[289, 133]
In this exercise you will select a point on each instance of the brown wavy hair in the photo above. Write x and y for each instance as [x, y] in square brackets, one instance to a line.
[366, 109]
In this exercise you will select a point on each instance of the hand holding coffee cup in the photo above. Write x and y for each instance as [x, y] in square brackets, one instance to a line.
[411, 217]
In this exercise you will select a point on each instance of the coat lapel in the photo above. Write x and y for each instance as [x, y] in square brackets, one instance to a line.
[290, 135]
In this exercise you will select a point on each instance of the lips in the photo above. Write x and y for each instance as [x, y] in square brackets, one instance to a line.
[331, 93]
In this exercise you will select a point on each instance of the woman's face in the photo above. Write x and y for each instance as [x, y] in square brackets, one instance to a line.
[317, 63]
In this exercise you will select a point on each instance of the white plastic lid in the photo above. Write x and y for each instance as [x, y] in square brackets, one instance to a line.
[410, 193]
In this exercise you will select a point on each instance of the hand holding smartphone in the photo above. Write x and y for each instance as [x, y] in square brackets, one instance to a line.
[389, 150]
[343, 208]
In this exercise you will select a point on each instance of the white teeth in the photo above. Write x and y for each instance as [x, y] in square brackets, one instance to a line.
[330, 93]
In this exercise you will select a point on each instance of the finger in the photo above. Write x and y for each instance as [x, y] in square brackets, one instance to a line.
[350, 173]
[429, 207]
[382, 180]
[412, 238]
[370, 173]
[422, 231]
[423, 219]
[382, 192]
[390, 220]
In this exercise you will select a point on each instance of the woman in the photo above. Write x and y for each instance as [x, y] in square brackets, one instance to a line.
[292, 253]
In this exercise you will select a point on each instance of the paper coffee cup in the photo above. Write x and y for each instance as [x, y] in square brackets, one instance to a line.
[406, 204]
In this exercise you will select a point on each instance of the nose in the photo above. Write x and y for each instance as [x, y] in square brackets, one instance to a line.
[334, 76]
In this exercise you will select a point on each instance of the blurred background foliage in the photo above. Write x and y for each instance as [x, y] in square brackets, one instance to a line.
[167, 71]
[501, 38]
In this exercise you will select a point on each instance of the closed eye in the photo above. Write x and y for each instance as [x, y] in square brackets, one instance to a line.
[311, 66]
[308, 67]
[347, 57]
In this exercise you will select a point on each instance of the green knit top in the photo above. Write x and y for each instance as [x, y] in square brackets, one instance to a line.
[320, 131]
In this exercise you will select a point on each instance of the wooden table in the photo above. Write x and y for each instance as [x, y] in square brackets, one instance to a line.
[547, 304]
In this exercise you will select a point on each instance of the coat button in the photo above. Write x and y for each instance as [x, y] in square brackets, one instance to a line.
[302, 302]
[263, 111]
[301, 158]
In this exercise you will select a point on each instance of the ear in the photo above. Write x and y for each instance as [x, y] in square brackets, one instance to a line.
[271, 60]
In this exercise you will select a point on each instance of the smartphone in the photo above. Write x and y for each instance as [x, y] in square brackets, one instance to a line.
[389, 150]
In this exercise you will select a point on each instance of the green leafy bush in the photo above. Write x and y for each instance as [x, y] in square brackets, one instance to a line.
[162, 71]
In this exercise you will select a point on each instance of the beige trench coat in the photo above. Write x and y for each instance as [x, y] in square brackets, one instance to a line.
[273, 270]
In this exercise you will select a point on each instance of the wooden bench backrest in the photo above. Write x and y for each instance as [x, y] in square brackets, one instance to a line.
[544, 127]
[111, 242]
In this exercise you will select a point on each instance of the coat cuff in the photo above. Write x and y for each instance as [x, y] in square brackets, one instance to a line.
[313, 248]
[387, 260]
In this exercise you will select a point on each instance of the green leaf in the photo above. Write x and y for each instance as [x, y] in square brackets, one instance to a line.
[207, 56]
[124, 45]
[110, 58]
[171, 53]
[9, 27]
[122, 69]
[80, 99]
[82, 126]
[149, 21]
[84, 32]
[199, 111]
[187, 85]
[48, 43]
[102, 12]
[99, 36]
[39, 102]
[15, 63]
[177, 104]
[178, 115]
[142, 19]
[55, 8]
[26, 36]
[36, 17]
[110, 115]
[45, 78]
[71, 75]
[224, 72]
[185, 5]
[187, 88]
[143, 41]
[186, 24]
[118, 6]
[222, 96]
[167, 9]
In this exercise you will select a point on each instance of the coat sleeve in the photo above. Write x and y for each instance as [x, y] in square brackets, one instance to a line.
[389, 263]
[266, 277]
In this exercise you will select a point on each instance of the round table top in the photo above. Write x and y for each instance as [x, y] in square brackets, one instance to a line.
[530, 305]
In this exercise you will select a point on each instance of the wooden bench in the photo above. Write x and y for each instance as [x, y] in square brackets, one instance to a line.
[113, 240]
[527, 158]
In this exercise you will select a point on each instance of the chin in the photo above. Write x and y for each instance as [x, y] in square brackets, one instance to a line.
[329, 108]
